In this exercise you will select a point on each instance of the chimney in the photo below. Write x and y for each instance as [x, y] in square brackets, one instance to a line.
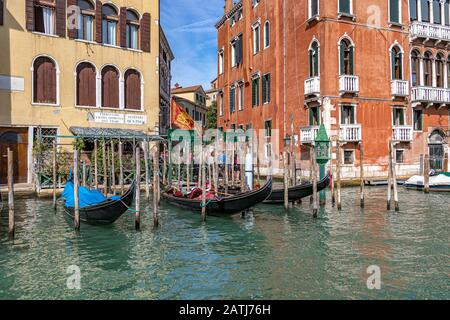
[177, 85]
[228, 6]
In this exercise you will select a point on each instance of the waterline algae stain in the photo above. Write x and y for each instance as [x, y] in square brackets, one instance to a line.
[271, 254]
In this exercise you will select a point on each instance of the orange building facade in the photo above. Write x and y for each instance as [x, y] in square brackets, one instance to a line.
[370, 71]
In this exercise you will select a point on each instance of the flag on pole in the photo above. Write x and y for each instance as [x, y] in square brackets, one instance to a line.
[182, 120]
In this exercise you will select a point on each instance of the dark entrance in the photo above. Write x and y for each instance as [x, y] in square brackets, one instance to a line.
[436, 147]
[17, 140]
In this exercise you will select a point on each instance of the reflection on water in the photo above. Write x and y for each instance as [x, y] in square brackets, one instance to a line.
[269, 254]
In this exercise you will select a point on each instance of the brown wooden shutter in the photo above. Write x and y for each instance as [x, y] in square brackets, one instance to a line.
[72, 33]
[123, 27]
[61, 18]
[44, 86]
[86, 85]
[98, 22]
[1, 12]
[29, 12]
[132, 90]
[110, 87]
[145, 32]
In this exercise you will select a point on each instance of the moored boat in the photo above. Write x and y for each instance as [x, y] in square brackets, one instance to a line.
[223, 206]
[298, 192]
[97, 210]
[438, 183]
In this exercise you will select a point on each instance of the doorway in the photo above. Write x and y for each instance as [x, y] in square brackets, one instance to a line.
[17, 140]
[436, 151]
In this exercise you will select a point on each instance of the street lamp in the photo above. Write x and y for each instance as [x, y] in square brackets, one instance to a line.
[322, 150]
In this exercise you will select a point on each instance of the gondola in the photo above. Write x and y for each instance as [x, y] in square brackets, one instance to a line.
[299, 192]
[106, 212]
[229, 205]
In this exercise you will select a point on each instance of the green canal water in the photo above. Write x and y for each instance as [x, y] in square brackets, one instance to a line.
[269, 254]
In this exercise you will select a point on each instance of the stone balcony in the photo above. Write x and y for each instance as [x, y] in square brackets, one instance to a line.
[312, 86]
[430, 95]
[429, 31]
[348, 84]
[308, 134]
[402, 133]
[350, 133]
[399, 88]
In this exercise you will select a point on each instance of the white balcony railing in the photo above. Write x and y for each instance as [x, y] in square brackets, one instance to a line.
[348, 84]
[312, 86]
[429, 31]
[402, 133]
[430, 94]
[350, 132]
[308, 134]
[399, 88]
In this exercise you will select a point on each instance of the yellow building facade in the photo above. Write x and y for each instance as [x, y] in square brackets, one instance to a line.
[45, 64]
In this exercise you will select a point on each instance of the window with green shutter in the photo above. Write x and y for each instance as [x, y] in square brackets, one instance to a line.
[398, 116]
[232, 99]
[347, 115]
[394, 11]
[266, 88]
[346, 58]
[418, 120]
[255, 92]
[345, 6]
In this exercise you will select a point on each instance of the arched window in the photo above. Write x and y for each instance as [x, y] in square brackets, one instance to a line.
[428, 69]
[415, 68]
[132, 90]
[413, 10]
[44, 81]
[109, 25]
[86, 20]
[448, 72]
[110, 87]
[437, 9]
[86, 85]
[266, 34]
[132, 30]
[396, 63]
[314, 60]
[346, 57]
[440, 65]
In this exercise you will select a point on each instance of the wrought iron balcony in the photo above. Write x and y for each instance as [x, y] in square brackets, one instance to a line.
[430, 95]
[402, 133]
[399, 88]
[312, 86]
[308, 134]
[348, 84]
[350, 132]
[428, 31]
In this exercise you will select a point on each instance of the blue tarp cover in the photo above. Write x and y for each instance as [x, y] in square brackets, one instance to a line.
[86, 197]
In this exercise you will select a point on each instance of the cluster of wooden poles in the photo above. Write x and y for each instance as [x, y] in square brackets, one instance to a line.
[137, 160]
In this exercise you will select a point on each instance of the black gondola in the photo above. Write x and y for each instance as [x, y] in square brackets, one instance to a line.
[106, 212]
[230, 205]
[299, 192]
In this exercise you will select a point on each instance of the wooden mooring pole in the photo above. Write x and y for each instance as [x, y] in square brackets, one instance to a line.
[426, 174]
[113, 168]
[76, 185]
[155, 189]
[338, 175]
[105, 170]
[11, 222]
[286, 179]
[137, 221]
[145, 149]
[389, 190]
[121, 182]
[95, 164]
[314, 181]
[361, 174]
[54, 174]
[203, 182]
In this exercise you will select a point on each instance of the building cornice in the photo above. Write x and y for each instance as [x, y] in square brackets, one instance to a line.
[227, 16]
